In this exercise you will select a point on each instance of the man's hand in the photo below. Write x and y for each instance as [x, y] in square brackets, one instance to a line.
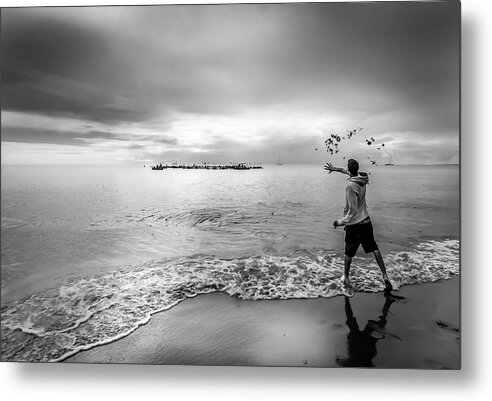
[330, 168]
[337, 223]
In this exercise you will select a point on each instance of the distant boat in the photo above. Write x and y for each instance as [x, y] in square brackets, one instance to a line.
[390, 163]
[279, 163]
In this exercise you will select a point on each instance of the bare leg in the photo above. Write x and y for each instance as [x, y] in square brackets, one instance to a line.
[348, 261]
[379, 259]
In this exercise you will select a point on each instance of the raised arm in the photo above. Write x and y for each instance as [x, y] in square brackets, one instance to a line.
[330, 167]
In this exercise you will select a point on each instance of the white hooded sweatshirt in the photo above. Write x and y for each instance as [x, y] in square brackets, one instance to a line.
[355, 209]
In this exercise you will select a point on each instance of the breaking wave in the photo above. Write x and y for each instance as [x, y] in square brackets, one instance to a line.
[85, 312]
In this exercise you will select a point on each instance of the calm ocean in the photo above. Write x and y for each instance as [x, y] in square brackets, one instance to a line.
[89, 253]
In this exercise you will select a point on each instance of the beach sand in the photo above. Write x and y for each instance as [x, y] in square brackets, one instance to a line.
[421, 331]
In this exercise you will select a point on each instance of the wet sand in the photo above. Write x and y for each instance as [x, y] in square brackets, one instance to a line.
[420, 331]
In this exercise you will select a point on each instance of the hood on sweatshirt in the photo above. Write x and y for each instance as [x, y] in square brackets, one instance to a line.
[362, 179]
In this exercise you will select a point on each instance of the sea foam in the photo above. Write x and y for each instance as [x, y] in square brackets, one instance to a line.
[85, 312]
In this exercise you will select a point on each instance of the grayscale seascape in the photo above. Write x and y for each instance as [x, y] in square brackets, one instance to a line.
[104, 259]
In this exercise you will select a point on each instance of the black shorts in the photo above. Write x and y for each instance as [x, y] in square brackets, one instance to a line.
[358, 234]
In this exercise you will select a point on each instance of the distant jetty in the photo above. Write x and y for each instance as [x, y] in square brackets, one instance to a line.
[206, 166]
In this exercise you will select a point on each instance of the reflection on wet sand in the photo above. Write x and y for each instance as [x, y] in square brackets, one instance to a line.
[361, 344]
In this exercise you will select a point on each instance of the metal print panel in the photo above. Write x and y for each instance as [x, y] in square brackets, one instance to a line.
[234, 184]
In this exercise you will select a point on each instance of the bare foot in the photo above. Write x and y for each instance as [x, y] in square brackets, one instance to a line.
[346, 281]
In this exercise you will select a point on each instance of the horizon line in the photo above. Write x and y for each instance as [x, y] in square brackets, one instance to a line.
[260, 163]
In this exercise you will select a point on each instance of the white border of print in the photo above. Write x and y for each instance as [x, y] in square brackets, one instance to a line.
[94, 382]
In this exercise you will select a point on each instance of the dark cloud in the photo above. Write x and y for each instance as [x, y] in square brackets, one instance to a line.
[53, 67]
[39, 135]
[49, 45]
[134, 146]
[160, 139]
[36, 92]
[83, 139]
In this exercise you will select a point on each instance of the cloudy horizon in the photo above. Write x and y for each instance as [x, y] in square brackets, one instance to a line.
[230, 83]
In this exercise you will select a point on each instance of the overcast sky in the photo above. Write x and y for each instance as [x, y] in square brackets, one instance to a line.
[244, 83]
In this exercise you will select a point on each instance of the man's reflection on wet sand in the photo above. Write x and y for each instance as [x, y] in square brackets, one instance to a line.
[361, 344]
